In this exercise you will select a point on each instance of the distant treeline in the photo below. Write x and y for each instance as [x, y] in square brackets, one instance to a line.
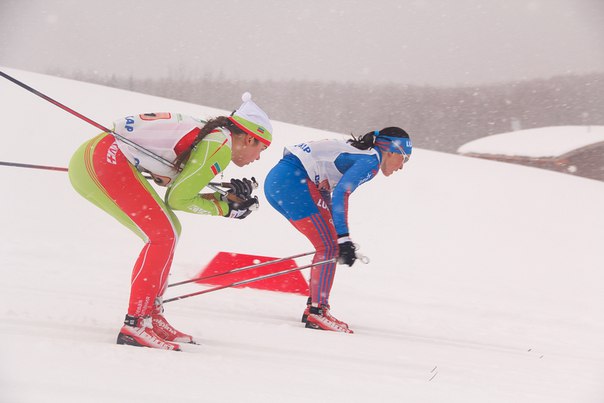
[438, 118]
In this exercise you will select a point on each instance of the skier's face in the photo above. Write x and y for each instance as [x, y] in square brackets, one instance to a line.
[246, 149]
[392, 162]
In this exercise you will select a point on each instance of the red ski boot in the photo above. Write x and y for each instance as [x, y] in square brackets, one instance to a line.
[164, 329]
[167, 332]
[306, 310]
[139, 332]
[320, 318]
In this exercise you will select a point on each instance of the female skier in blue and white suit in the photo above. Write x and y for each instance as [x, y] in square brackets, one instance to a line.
[310, 187]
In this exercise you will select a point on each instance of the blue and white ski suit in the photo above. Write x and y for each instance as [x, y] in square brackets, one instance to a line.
[310, 186]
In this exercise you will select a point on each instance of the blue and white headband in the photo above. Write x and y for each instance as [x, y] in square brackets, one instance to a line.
[398, 145]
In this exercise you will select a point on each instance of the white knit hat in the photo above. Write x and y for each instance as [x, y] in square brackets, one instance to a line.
[253, 120]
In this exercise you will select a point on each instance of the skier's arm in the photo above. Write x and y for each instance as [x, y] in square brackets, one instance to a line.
[210, 156]
[357, 169]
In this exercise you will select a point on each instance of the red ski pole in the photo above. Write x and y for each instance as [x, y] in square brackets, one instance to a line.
[87, 120]
[107, 130]
[19, 165]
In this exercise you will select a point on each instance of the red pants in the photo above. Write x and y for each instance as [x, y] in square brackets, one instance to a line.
[102, 174]
[292, 193]
[319, 230]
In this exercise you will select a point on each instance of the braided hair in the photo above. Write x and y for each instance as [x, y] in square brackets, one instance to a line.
[210, 126]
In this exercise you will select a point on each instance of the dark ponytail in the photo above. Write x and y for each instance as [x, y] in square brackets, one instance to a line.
[363, 143]
[368, 139]
[210, 126]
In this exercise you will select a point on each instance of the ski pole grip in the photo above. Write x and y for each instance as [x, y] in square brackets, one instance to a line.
[362, 258]
[229, 186]
[229, 196]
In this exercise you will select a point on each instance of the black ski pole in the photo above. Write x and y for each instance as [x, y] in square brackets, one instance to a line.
[237, 270]
[251, 280]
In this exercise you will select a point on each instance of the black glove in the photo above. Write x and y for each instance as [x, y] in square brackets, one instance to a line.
[243, 209]
[346, 248]
[242, 188]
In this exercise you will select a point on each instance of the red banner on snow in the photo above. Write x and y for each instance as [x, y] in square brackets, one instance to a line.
[224, 261]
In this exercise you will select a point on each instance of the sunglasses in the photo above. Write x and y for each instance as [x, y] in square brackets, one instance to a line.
[400, 151]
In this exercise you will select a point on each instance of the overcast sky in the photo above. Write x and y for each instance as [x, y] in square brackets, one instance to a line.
[436, 42]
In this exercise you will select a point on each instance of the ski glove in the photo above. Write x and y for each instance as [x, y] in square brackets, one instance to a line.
[242, 188]
[243, 209]
[347, 249]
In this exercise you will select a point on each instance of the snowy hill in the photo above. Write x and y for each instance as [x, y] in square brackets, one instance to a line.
[485, 282]
[551, 141]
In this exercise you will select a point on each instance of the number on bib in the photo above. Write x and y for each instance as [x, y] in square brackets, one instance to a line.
[155, 116]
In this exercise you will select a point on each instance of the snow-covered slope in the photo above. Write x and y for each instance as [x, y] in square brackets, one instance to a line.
[485, 281]
[542, 142]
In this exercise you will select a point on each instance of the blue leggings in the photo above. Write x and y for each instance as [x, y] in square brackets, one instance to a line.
[289, 190]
